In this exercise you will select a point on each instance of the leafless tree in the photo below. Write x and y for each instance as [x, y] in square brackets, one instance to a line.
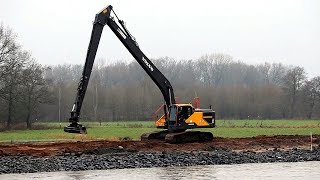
[277, 73]
[292, 83]
[34, 90]
[11, 79]
[264, 69]
[311, 94]
[7, 43]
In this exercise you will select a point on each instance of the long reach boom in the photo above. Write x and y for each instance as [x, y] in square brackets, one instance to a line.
[177, 118]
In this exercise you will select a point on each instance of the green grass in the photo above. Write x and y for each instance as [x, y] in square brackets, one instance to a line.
[134, 124]
[58, 134]
[269, 123]
[251, 132]
[133, 130]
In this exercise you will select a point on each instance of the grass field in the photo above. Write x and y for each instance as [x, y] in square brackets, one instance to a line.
[133, 130]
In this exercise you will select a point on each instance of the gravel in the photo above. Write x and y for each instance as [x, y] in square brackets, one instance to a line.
[113, 159]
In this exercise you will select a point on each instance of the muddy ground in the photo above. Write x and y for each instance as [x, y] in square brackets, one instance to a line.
[255, 144]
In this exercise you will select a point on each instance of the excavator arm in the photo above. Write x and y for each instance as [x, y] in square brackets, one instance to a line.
[105, 18]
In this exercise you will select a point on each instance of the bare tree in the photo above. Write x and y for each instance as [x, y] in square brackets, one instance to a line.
[34, 89]
[277, 73]
[292, 83]
[264, 69]
[11, 79]
[8, 46]
[311, 92]
[7, 43]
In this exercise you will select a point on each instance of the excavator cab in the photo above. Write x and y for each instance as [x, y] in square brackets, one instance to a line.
[178, 114]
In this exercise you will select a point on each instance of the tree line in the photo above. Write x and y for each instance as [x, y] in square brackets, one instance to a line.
[122, 91]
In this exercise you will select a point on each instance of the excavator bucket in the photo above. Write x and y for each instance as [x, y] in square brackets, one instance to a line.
[75, 128]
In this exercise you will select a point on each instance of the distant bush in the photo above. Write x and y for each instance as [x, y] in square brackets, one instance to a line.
[23, 126]
[134, 125]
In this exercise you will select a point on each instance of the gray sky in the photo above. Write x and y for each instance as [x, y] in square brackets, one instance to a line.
[254, 31]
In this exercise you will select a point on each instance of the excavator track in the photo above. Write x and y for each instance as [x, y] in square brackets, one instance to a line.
[188, 136]
[178, 138]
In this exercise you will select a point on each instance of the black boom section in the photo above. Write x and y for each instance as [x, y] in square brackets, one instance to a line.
[158, 78]
[129, 42]
[84, 81]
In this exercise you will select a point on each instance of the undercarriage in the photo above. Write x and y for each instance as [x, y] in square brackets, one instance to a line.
[178, 137]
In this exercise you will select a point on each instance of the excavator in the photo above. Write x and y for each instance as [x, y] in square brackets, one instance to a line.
[176, 119]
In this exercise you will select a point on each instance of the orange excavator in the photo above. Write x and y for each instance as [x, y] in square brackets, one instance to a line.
[176, 118]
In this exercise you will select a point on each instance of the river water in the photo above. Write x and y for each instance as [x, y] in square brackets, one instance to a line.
[297, 170]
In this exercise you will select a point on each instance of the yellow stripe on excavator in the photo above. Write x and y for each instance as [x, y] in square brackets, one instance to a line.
[160, 122]
[197, 118]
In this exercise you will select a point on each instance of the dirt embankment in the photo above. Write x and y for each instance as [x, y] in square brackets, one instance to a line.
[256, 144]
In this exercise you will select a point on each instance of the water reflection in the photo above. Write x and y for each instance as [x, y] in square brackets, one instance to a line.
[300, 170]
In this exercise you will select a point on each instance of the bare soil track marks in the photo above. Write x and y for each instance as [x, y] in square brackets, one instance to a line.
[257, 144]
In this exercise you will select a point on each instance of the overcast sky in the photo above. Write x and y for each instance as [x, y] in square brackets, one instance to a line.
[253, 31]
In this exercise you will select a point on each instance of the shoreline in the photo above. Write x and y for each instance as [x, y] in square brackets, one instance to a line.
[102, 159]
[102, 154]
